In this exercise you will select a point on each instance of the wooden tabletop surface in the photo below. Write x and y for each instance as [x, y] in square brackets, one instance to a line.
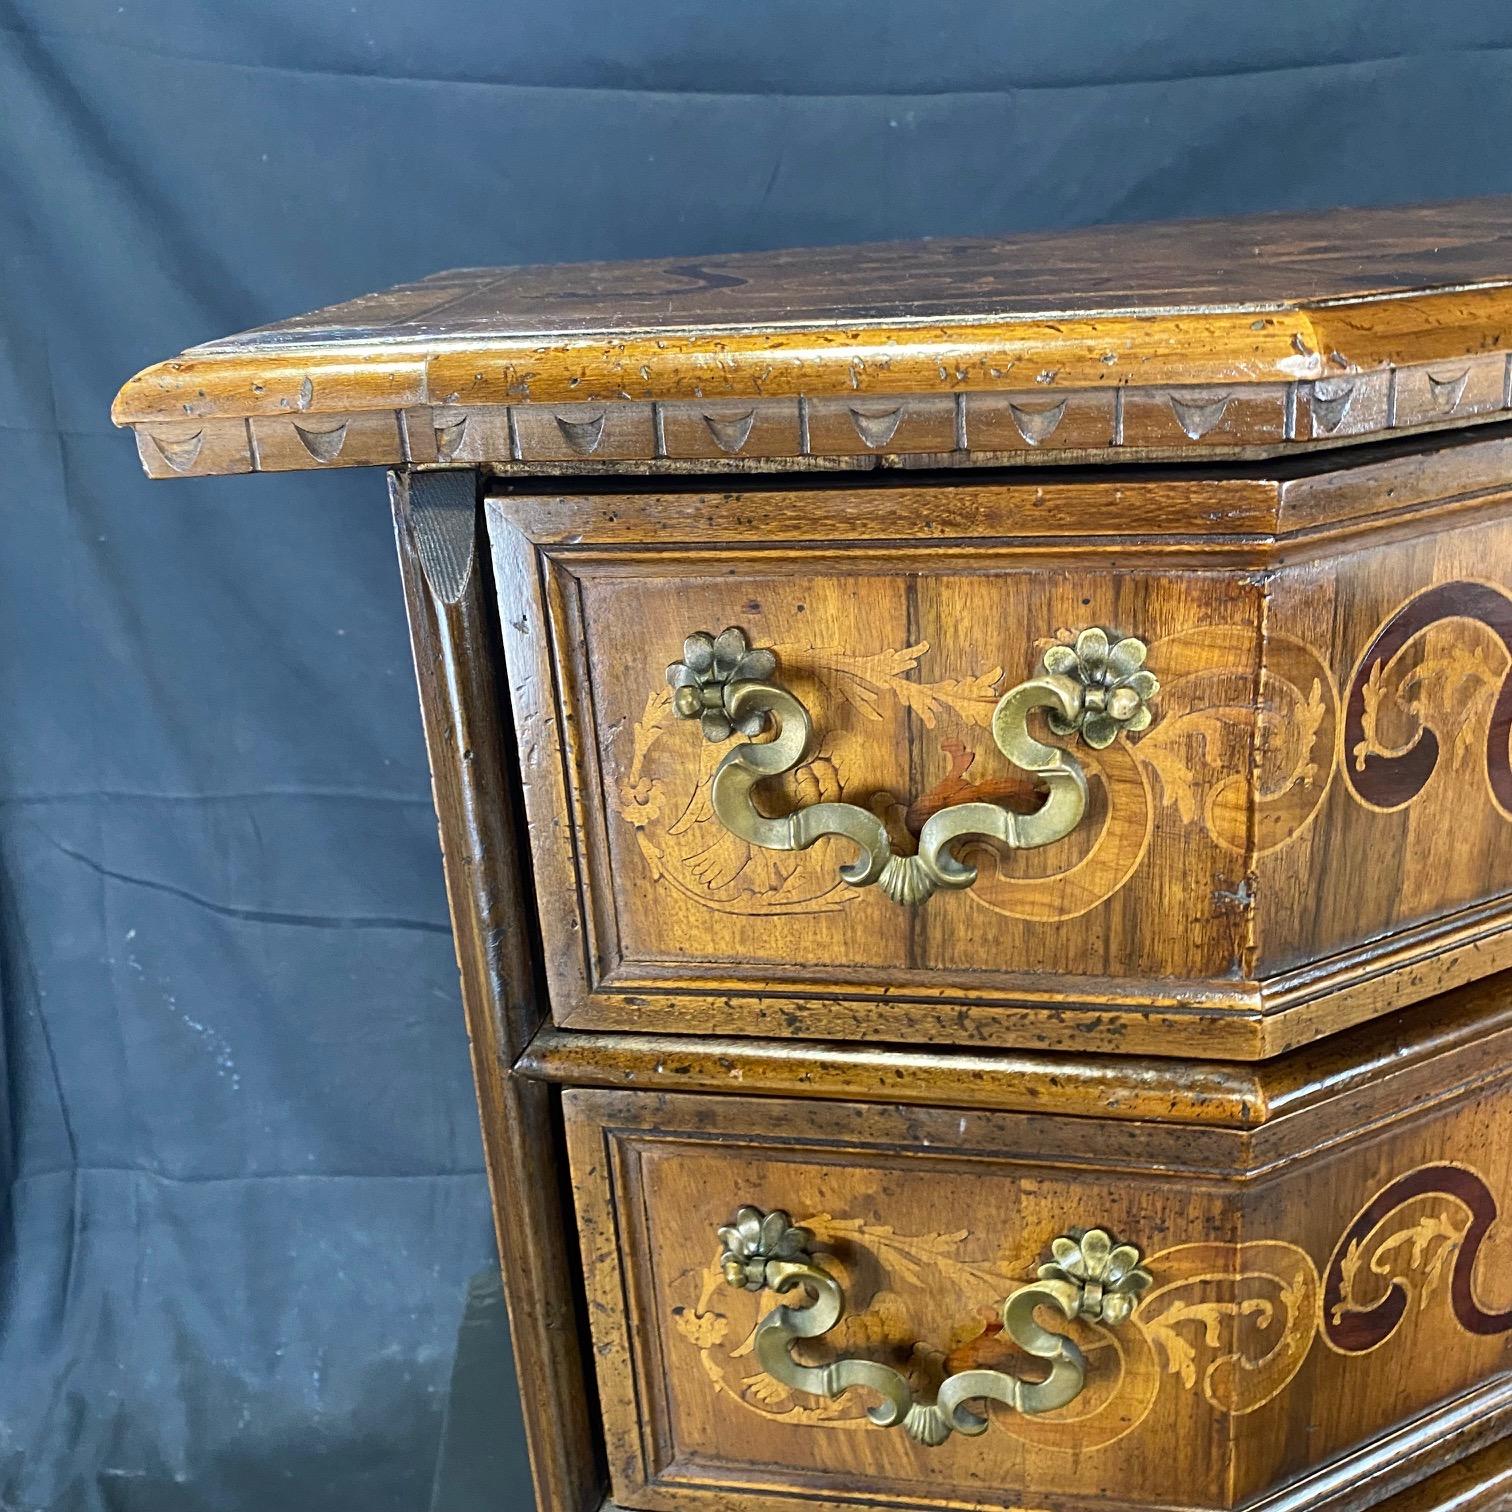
[1228, 306]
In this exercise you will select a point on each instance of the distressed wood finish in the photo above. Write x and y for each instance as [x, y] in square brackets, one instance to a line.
[1246, 1014]
[1214, 338]
[1481, 1483]
[1334, 650]
[447, 594]
[1330, 1288]
[1455, 1035]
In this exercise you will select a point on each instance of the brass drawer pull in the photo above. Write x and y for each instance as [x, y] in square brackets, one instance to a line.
[1089, 1277]
[1095, 689]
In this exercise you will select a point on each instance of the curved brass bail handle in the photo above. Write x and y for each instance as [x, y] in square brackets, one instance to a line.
[1090, 1276]
[730, 790]
[1093, 689]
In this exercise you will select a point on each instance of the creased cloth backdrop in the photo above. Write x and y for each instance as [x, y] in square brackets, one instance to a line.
[242, 1184]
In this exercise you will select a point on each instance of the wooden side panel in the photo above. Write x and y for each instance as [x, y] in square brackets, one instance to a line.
[1385, 779]
[1292, 1321]
[1405, 1233]
[447, 594]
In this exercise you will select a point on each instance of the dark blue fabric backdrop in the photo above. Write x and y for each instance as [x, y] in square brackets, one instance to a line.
[241, 1176]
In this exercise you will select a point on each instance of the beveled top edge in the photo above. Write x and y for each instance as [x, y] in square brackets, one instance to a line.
[1208, 311]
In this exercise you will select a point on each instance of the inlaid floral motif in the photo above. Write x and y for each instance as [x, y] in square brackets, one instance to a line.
[1233, 1323]
[1253, 774]
[1427, 675]
[1421, 1234]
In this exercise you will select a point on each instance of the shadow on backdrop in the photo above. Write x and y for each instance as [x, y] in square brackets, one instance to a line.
[244, 1200]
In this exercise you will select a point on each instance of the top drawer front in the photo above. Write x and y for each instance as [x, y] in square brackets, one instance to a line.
[1322, 794]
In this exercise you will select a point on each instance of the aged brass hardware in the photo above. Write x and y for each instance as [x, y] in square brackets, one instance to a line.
[1093, 689]
[1089, 1276]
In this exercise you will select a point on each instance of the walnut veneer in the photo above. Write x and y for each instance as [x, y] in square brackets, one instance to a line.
[1174, 788]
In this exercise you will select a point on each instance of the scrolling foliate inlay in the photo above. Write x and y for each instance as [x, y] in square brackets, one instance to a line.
[1441, 661]
[1229, 1323]
[1234, 1322]
[1417, 1238]
[674, 822]
[1200, 752]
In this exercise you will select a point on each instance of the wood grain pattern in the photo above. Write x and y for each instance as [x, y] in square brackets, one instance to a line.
[1192, 912]
[447, 596]
[1454, 1040]
[1188, 1021]
[1229, 1386]
[1235, 337]
[1481, 1483]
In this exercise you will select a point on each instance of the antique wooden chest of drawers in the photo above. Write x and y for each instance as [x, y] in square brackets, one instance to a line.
[977, 803]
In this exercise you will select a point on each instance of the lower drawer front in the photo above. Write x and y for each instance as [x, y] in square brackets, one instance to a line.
[1294, 1314]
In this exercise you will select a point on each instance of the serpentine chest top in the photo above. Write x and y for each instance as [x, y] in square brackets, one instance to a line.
[976, 795]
